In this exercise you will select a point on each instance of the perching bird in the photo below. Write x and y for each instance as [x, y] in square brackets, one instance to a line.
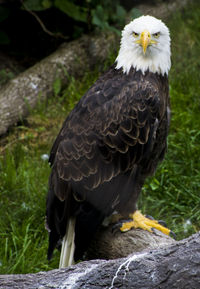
[110, 142]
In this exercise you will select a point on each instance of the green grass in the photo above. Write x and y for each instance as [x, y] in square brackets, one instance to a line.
[173, 194]
[24, 183]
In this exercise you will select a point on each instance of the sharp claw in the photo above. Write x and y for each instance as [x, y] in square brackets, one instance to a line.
[153, 230]
[172, 234]
[161, 222]
[149, 217]
[116, 227]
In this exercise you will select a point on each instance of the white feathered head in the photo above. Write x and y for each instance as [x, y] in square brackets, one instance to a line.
[145, 45]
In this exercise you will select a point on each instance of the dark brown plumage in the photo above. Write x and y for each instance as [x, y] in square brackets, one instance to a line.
[111, 141]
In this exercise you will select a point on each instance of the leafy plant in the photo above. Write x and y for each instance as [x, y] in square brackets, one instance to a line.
[5, 75]
[101, 14]
[72, 10]
[37, 5]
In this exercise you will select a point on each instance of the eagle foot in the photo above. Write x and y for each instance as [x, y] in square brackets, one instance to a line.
[161, 222]
[146, 223]
[119, 224]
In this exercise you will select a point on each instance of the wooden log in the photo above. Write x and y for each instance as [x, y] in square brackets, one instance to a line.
[174, 266]
[21, 94]
[112, 245]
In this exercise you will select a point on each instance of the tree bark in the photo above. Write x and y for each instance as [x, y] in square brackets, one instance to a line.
[113, 245]
[174, 266]
[20, 95]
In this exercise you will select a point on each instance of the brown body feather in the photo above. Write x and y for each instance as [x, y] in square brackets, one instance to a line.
[111, 141]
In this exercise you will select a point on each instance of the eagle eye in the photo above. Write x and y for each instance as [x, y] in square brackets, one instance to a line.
[135, 34]
[156, 35]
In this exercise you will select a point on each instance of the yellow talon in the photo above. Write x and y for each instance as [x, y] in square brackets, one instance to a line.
[140, 221]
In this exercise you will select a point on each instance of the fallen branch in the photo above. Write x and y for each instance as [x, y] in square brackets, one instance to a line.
[22, 93]
[174, 266]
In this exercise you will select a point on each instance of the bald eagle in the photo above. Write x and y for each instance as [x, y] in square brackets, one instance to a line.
[110, 142]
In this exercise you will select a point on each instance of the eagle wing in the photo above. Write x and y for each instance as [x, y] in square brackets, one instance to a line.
[112, 129]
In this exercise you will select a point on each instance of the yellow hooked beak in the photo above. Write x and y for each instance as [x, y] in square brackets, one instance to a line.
[145, 40]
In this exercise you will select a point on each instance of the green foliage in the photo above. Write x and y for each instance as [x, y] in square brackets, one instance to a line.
[24, 174]
[72, 10]
[37, 5]
[176, 185]
[5, 75]
[80, 16]
[57, 86]
[172, 194]
[135, 13]
[22, 220]
[101, 17]
[102, 14]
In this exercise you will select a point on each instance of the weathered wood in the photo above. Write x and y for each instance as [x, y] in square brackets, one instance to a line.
[112, 245]
[175, 266]
[22, 93]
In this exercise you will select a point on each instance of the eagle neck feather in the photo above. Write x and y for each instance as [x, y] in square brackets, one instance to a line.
[157, 63]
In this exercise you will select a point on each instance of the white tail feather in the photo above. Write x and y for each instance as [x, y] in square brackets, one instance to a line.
[68, 246]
